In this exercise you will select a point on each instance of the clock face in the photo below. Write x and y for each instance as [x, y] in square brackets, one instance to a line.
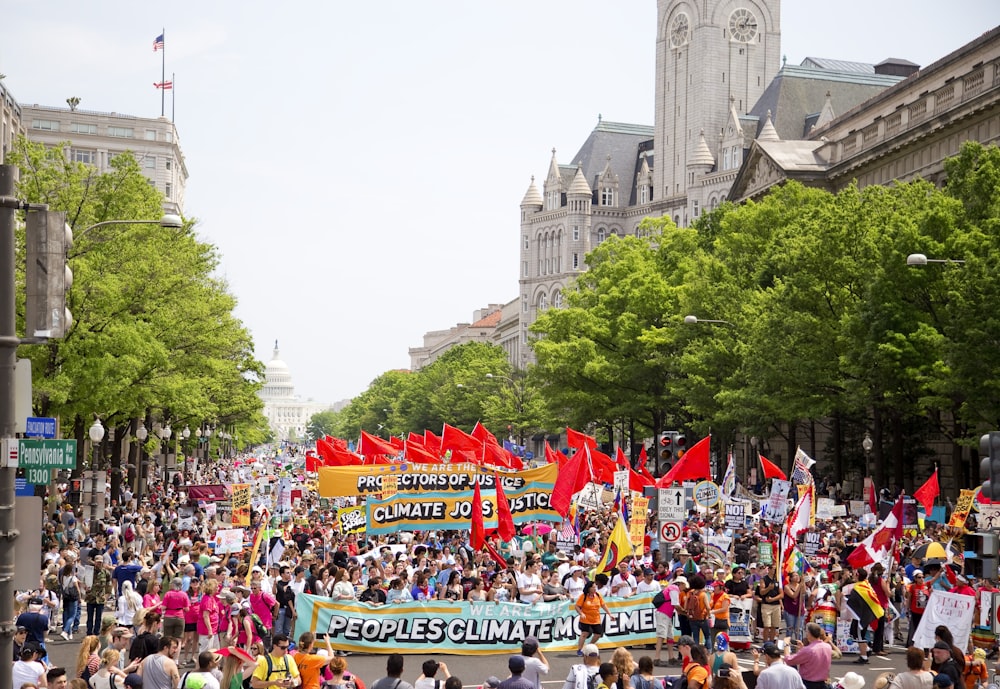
[742, 25]
[679, 30]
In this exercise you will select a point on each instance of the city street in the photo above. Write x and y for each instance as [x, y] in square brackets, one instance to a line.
[472, 670]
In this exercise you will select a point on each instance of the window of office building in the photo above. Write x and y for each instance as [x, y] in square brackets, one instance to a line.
[149, 162]
[45, 125]
[82, 156]
[576, 261]
[150, 135]
[81, 128]
[168, 190]
[121, 132]
[169, 163]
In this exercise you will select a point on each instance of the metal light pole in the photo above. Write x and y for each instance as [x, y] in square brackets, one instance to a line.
[867, 446]
[96, 436]
[140, 462]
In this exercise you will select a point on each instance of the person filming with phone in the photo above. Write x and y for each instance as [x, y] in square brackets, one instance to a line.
[276, 670]
[812, 660]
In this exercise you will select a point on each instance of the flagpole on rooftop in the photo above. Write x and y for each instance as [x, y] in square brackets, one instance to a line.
[163, 73]
[173, 96]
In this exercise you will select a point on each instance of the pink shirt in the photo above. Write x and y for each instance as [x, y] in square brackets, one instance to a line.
[174, 603]
[210, 605]
[263, 604]
[813, 661]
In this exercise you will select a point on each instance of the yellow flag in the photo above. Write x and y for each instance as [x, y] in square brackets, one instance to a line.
[619, 547]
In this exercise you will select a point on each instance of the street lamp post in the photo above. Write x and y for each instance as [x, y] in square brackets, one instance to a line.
[140, 461]
[96, 436]
[693, 320]
[867, 446]
[517, 390]
[922, 260]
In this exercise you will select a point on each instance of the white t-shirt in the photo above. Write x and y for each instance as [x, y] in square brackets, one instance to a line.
[27, 671]
[651, 587]
[528, 581]
[533, 671]
[622, 586]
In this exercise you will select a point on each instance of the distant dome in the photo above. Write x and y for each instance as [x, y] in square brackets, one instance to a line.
[277, 378]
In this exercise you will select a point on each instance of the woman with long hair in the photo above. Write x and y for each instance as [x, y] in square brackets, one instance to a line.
[72, 594]
[237, 663]
[129, 603]
[792, 605]
[88, 662]
[453, 591]
[189, 645]
[643, 677]
[103, 677]
[152, 599]
[343, 589]
[588, 607]
[342, 679]
[625, 665]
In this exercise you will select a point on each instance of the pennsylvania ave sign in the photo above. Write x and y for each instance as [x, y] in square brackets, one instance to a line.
[47, 454]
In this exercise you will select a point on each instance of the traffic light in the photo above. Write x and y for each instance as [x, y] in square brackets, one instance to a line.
[989, 451]
[983, 565]
[47, 277]
[665, 460]
[680, 446]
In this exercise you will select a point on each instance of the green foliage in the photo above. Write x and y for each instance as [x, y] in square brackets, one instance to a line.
[321, 424]
[153, 327]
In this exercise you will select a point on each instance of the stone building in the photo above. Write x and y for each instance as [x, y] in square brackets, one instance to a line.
[287, 413]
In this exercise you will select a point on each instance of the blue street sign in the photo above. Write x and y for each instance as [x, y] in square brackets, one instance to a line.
[22, 487]
[41, 427]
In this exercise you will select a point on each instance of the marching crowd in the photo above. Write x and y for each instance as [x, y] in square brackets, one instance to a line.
[152, 605]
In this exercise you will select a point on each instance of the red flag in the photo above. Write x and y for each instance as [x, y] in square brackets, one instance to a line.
[335, 457]
[927, 493]
[497, 558]
[772, 470]
[693, 465]
[397, 444]
[636, 481]
[312, 463]
[415, 438]
[369, 446]
[415, 452]
[565, 485]
[479, 432]
[578, 440]
[505, 521]
[432, 442]
[603, 467]
[338, 443]
[642, 466]
[553, 457]
[457, 440]
[477, 536]
[873, 499]
[621, 460]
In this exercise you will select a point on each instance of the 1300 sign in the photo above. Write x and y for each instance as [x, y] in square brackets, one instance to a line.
[38, 476]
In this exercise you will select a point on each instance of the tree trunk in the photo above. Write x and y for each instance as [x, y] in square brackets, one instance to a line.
[898, 453]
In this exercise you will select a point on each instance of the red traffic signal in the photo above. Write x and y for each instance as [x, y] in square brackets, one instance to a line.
[680, 441]
[665, 440]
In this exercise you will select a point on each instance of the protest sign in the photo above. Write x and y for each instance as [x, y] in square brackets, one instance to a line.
[621, 482]
[352, 520]
[765, 552]
[390, 486]
[777, 505]
[962, 508]
[417, 478]
[810, 542]
[283, 505]
[637, 525]
[740, 616]
[953, 610]
[241, 504]
[467, 628]
[735, 517]
[824, 508]
[858, 507]
[228, 541]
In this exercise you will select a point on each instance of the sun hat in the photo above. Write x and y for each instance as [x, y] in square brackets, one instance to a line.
[851, 680]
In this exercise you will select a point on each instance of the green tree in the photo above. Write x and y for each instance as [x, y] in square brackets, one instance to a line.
[321, 424]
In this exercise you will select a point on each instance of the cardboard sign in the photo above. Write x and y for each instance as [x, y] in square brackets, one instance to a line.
[637, 525]
[352, 520]
[765, 553]
[736, 514]
[777, 505]
[707, 494]
[962, 508]
[824, 508]
[390, 486]
[241, 504]
[953, 610]
[228, 541]
[811, 542]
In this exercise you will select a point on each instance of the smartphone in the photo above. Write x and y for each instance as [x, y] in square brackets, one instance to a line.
[781, 644]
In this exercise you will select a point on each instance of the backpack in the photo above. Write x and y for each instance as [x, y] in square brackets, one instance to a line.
[129, 533]
[584, 679]
[695, 607]
[679, 682]
[659, 599]
[260, 630]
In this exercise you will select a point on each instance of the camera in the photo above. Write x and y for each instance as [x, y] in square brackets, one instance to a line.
[724, 671]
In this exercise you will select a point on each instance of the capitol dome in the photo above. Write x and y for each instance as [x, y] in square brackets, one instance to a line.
[277, 378]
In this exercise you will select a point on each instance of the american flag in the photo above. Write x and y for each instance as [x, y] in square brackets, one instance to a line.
[165, 85]
[158, 43]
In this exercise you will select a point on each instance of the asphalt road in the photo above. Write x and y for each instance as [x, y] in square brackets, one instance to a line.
[472, 670]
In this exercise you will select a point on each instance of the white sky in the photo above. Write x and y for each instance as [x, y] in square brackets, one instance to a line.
[360, 164]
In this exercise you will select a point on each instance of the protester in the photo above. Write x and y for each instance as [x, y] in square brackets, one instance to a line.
[588, 607]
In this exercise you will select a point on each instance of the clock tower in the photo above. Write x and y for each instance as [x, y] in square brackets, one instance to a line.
[707, 51]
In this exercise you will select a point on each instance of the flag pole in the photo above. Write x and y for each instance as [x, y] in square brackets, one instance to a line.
[173, 96]
[163, 74]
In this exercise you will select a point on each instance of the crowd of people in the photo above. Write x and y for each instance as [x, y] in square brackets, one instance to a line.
[160, 609]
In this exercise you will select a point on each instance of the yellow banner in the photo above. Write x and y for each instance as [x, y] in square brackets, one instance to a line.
[241, 504]
[637, 525]
[962, 508]
[361, 481]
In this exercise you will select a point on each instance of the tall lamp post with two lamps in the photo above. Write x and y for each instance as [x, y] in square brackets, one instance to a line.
[96, 436]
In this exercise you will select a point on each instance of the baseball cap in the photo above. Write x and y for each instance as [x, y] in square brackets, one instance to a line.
[590, 650]
[771, 649]
[943, 645]
[516, 664]
[529, 645]
[492, 682]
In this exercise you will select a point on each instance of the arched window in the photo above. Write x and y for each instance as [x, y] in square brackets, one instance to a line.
[600, 235]
[557, 300]
[543, 302]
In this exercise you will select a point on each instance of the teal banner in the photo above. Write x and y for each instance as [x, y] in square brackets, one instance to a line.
[467, 628]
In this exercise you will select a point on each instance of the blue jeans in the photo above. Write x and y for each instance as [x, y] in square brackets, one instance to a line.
[71, 608]
[283, 625]
[95, 611]
[793, 624]
[699, 630]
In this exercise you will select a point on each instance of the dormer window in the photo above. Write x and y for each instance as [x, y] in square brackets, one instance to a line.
[607, 196]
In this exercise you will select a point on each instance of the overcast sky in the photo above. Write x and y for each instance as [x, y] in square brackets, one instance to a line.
[360, 164]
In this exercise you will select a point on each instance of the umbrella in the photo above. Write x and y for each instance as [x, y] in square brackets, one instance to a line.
[934, 551]
[540, 529]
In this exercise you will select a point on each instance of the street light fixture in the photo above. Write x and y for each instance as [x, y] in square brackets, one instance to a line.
[867, 446]
[141, 433]
[922, 260]
[96, 436]
[692, 320]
